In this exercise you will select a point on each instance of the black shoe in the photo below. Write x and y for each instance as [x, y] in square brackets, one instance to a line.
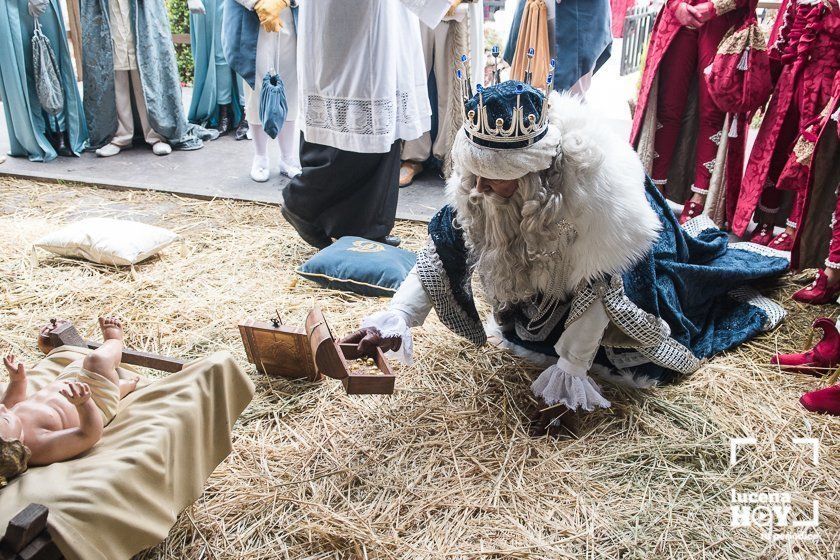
[391, 240]
[309, 233]
[225, 123]
[60, 142]
[241, 130]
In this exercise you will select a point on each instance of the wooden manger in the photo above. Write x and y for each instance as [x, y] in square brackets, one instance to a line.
[26, 536]
[311, 352]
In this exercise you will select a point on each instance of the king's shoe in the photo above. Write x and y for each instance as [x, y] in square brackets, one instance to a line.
[825, 400]
[109, 150]
[225, 122]
[762, 235]
[819, 360]
[818, 292]
[691, 210]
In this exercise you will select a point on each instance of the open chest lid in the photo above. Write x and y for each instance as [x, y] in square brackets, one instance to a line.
[326, 353]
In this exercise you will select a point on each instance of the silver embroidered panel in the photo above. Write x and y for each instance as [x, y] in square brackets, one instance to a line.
[436, 283]
[749, 295]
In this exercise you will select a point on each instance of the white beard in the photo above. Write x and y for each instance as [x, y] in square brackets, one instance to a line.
[516, 244]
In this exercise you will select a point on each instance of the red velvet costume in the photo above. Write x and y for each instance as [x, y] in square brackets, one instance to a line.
[807, 46]
[817, 241]
[676, 59]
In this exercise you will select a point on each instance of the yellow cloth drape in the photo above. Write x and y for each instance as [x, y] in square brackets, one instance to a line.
[533, 33]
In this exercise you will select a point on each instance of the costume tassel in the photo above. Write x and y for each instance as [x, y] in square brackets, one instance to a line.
[744, 63]
[733, 130]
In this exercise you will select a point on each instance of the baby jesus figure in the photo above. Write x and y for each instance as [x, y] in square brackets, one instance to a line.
[65, 418]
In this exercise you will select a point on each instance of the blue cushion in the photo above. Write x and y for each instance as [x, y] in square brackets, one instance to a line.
[359, 265]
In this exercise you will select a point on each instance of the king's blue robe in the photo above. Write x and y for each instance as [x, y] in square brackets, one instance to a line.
[158, 73]
[26, 122]
[688, 299]
[214, 82]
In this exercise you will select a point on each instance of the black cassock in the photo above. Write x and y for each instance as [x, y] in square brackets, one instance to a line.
[346, 193]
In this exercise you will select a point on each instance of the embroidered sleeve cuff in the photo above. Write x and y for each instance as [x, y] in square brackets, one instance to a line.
[563, 383]
[390, 324]
[724, 6]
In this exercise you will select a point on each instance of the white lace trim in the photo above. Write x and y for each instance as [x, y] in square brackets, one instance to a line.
[760, 249]
[697, 225]
[749, 295]
[791, 224]
[557, 386]
[363, 125]
[699, 190]
[391, 324]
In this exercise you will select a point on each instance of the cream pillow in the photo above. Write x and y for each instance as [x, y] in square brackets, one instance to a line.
[108, 241]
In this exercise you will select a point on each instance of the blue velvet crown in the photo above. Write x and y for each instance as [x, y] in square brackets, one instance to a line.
[504, 115]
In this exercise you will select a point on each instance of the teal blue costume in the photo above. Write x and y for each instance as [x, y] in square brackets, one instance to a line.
[26, 122]
[214, 83]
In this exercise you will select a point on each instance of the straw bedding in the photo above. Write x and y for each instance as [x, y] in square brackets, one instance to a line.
[445, 468]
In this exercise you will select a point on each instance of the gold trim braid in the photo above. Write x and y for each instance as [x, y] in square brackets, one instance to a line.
[735, 42]
[724, 6]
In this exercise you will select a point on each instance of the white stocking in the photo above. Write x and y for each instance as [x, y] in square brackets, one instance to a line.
[287, 140]
[259, 167]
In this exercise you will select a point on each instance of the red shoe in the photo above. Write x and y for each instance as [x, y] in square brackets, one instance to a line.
[822, 358]
[825, 400]
[691, 210]
[782, 242]
[762, 235]
[819, 292]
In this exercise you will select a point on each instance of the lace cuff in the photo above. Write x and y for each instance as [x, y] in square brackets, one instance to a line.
[392, 324]
[561, 384]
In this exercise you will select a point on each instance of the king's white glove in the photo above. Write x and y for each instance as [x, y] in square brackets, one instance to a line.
[196, 7]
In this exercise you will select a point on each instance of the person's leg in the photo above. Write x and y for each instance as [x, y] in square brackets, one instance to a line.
[832, 262]
[676, 72]
[415, 152]
[158, 143]
[287, 140]
[771, 197]
[711, 120]
[106, 359]
[343, 193]
[125, 116]
[259, 165]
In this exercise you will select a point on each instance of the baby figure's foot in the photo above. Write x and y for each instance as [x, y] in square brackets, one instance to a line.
[128, 386]
[111, 328]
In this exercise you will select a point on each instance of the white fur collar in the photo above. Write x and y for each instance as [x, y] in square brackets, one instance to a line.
[603, 185]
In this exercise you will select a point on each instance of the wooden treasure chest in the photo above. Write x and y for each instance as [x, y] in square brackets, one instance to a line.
[312, 352]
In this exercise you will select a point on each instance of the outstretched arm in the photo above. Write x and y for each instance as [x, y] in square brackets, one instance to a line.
[52, 447]
[568, 382]
[16, 391]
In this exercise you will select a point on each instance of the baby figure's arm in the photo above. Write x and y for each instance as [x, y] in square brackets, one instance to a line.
[16, 391]
[52, 447]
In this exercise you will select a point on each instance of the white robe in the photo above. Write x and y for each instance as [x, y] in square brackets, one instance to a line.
[362, 76]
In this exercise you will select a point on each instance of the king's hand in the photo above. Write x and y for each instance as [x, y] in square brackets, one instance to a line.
[367, 339]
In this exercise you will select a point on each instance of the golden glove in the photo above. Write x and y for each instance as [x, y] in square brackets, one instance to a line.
[269, 13]
[451, 11]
